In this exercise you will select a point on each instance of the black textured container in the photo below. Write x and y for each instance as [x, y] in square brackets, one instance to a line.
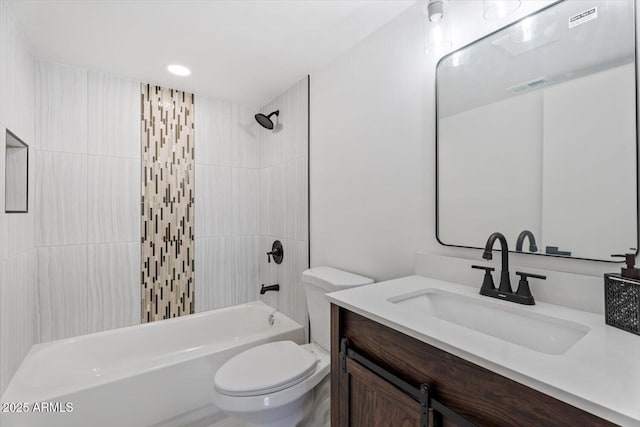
[622, 302]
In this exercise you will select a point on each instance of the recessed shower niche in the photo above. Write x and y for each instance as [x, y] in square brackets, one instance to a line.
[17, 174]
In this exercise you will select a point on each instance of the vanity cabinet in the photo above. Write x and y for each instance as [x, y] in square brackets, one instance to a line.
[367, 366]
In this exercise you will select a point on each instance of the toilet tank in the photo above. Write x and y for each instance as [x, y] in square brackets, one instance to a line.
[318, 282]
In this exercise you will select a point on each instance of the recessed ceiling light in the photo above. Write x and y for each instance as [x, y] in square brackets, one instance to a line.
[179, 70]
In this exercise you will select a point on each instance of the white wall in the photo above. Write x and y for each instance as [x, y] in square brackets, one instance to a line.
[589, 164]
[17, 253]
[490, 171]
[373, 148]
[371, 165]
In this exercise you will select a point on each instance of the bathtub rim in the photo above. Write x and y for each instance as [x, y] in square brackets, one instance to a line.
[18, 391]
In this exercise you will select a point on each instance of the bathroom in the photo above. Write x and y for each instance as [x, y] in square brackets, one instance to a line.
[169, 236]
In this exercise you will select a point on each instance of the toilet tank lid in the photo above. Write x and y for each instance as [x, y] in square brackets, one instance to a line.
[331, 279]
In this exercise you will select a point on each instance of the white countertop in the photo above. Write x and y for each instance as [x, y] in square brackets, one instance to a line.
[599, 374]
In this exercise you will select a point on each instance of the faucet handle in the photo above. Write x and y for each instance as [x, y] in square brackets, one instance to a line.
[524, 293]
[524, 276]
[487, 282]
[481, 267]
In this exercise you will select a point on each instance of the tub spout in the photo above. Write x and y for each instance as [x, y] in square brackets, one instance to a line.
[264, 289]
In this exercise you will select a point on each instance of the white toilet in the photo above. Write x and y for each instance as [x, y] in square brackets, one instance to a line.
[273, 384]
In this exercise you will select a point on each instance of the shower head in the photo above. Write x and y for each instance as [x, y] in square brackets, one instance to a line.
[265, 121]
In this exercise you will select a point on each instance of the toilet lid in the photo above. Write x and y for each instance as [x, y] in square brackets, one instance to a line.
[265, 369]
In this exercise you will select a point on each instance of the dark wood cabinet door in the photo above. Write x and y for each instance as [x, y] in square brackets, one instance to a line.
[373, 402]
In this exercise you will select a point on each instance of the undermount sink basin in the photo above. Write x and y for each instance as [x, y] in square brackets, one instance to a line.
[534, 331]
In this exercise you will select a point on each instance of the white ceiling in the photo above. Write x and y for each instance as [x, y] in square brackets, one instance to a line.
[248, 51]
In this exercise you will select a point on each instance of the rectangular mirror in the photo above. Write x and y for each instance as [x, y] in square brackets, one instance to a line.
[537, 132]
[17, 175]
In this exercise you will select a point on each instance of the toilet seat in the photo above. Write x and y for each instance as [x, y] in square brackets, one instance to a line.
[265, 369]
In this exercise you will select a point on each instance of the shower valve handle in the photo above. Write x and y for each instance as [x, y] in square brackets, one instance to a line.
[277, 252]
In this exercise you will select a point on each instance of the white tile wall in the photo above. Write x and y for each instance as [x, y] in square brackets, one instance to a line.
[87, 195]
[113, 119]
[17, 253]
[17, 314]
[273, 199]
[246, 201]
[113, 199]
[247, 265]
[214, 211]
[16, 114]
[20, 231]
[289, 138]
[4, 218]
[285, 205]
[60, 198]
[61, 108]
[233, 291]
[62, 292]
[293, 297]
[227, 271]
[113, 285]
[296, 199]
[213, 131]
[203, 274]
[245, 145]
[228, 204]
[16, 77]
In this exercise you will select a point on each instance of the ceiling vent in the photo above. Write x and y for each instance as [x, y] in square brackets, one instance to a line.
[533, 84]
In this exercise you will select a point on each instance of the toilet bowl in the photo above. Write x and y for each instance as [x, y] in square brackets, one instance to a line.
[275, 384]
[280, 383]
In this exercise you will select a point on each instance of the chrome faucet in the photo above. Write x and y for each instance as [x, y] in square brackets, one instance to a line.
[505, 282]
[532, 241]
[523, 294]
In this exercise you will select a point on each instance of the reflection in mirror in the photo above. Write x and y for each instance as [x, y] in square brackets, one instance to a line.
[537, 132]
[17, 173]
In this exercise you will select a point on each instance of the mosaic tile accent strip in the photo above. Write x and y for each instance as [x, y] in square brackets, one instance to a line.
[167, 203]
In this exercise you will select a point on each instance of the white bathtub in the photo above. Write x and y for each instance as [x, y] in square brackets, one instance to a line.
[153, 374]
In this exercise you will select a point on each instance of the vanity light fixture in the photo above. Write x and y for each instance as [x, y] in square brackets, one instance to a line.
[498, 9]
[179, 70]
[437, 29]
[435, 10]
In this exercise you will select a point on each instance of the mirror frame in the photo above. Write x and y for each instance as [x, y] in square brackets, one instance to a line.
[637, 196]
